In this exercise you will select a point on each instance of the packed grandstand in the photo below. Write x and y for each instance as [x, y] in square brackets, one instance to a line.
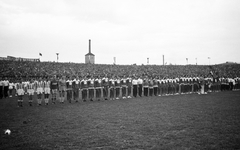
[28, 69]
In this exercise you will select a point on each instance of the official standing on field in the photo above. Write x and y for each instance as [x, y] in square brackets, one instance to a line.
[1, 88]
[6, 86]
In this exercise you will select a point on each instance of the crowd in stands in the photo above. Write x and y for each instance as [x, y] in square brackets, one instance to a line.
[25, 69]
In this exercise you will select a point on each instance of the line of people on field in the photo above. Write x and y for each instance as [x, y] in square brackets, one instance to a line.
[115, 87]
[6, 88]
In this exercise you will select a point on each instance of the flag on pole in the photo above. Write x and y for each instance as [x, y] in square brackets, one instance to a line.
[40, 54]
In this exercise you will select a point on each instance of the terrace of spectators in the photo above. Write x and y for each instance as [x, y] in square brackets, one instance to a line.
[24, 69]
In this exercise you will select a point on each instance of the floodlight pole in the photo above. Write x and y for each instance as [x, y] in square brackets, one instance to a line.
[57, 56]
[163, 60]
[114, 60]
[209, 60]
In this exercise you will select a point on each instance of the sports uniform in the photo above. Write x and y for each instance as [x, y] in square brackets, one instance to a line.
[11, 86]
[202, 84]
[117, 87]
[76, 86]
[145, 87]
[129, 87]
[112, 89]
[155, 87]
[159, 87]
[91, 88]
[54, 88]
[135, 87]
[62, 89]
[46, 91]
[105, 87]
[69, 90]
[39, 85]
[84, 86]
[124, 87]
[150, 87]
[165, 86]
[20, 92]
[30, 91]
[140, 86]
[98, 88]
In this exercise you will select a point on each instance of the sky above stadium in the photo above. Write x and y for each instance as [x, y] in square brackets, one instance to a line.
[204, 31]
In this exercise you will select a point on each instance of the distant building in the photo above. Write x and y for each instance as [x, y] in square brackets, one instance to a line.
[11, 58]
[89, 57]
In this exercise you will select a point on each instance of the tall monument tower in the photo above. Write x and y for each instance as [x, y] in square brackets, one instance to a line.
[89, 57]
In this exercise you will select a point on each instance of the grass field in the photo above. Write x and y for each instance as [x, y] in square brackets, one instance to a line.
[175, 122]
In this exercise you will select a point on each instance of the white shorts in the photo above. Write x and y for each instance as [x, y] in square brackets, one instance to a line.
[20, 92]
[30, 91]
[47, 90]
[39, 90]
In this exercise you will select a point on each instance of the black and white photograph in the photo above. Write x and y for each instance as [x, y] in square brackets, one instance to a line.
[111, 74]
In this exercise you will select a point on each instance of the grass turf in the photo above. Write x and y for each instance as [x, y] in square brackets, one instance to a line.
[174, 122]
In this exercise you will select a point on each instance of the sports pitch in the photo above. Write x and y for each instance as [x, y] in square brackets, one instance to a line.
[193, 121]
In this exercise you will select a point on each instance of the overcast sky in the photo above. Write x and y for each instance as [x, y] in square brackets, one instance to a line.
[130, 30]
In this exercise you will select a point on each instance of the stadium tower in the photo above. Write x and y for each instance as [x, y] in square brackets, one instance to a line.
[89, 57]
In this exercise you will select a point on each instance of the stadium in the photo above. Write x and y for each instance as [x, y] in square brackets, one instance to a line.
[173, 118]
[158, 75]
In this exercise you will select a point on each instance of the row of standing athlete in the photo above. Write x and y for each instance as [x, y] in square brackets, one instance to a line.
[105, 88]
[116, 88]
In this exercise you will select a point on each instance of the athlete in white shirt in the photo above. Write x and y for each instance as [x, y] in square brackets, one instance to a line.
[39, 85]
[30, 91]
[135, 86]
[11, 86]
[140, 86]
[20, 92]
